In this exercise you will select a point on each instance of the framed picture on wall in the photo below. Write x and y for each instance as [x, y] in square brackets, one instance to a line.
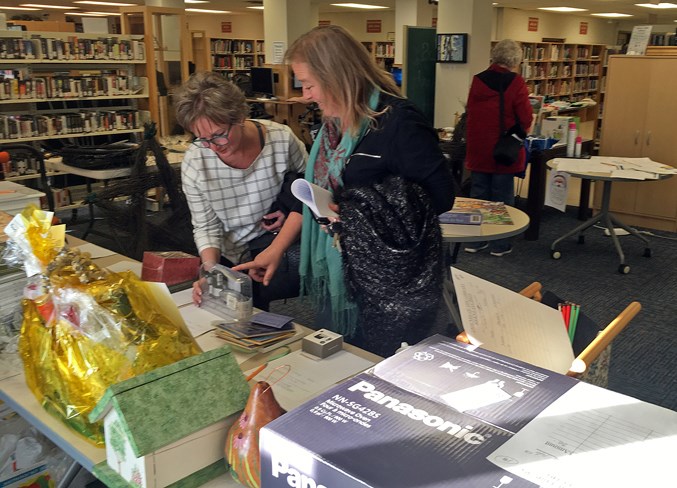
[452, 48]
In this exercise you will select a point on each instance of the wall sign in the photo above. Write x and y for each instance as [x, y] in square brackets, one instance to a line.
[374, 26]
[583, 28]
[533, 24]
[226, 27]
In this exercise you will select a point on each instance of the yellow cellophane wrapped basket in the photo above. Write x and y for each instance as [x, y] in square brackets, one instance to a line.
[85, 329]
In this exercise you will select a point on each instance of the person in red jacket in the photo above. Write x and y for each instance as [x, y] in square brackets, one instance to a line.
[492, 181]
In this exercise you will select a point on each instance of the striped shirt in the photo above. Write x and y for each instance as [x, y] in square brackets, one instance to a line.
[227, 204]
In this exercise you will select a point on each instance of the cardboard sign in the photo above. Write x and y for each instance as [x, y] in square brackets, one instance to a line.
[374, 26]
[583, 28]
[226, 27]
[533, 24]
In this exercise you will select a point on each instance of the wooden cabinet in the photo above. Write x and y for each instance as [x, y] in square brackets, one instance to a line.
[639, 107]
[230, 56]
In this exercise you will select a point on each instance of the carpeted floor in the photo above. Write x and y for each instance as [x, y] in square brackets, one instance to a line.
[644, 356]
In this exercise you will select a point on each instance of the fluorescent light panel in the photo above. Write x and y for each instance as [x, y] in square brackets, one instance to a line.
[205, 11]
[39, 5]
[195, 1]
[657, 5]
[85, 14]
[257, 8]
[357, 5]
[109, 4]
[19, 8]
[611, 15]
[563, 9]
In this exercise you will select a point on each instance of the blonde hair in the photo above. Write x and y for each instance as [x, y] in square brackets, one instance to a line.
[345, 70]
[209, 95]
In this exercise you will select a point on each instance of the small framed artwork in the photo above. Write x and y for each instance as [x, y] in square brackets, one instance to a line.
[452, 48]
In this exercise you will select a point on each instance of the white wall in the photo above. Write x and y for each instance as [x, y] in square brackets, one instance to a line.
[515, 25]
[356, 23]
[245, 26]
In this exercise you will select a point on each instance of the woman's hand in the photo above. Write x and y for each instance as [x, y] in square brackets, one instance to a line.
[264, 265]
[197, 292]
[326, 228]
[273, 221]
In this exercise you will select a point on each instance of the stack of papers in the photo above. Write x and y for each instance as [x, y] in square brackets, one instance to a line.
[264, 329]
[614, 167]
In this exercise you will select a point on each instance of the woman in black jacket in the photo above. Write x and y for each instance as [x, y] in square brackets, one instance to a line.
[370, 134]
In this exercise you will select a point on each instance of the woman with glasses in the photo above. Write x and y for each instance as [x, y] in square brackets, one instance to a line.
[232, 175]
[370, 133]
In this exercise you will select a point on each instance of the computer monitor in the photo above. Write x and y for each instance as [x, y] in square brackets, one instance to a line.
[397, 75]
[262, 81]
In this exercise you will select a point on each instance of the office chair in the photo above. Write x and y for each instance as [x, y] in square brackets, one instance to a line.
[591, 344]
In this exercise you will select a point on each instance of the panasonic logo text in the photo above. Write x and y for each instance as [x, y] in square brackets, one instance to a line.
[370, 393]
[295, 479]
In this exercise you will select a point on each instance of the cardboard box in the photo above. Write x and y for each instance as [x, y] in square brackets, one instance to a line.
[170, 425]
[430, 416]
[170, 267]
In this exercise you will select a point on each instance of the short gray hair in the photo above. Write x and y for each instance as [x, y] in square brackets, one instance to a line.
[209, 95]
[508, 53]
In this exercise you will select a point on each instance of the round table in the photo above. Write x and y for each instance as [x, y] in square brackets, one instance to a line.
[604, 216]
[489, 232]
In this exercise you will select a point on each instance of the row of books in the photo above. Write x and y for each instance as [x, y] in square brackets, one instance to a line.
[234, 46]
[68, 86]
[22, 126]
[72, 49]
[223, 62]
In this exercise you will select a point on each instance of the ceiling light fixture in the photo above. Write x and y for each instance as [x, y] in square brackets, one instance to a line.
[58, 7]
[611, 15]
[257, 7]
[108, 4]
[18, 8]
[195, 1]
[358, 5]
[661, 5]
[206, 11]
[85, 14]
[563, 9]
[103, 13]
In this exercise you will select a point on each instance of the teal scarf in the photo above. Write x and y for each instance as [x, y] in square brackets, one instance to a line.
[321, 267]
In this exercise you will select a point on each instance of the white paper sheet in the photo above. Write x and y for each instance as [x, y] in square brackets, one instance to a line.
[308, 377]
[183, 297]
[508, 323]
[126, 265]
[557, 190]
[198, 320]
[594, 437]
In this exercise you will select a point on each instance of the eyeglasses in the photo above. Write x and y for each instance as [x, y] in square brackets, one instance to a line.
[219, 140]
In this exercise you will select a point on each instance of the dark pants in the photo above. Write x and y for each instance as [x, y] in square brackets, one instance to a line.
[285, 283]
[495, 188]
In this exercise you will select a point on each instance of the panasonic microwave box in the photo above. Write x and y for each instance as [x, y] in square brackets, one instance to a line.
[430, 416]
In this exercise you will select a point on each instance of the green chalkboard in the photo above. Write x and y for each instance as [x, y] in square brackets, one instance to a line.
[419, 68]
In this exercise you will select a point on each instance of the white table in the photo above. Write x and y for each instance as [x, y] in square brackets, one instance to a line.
[604, 217]
[15, 392]
[15, 197]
